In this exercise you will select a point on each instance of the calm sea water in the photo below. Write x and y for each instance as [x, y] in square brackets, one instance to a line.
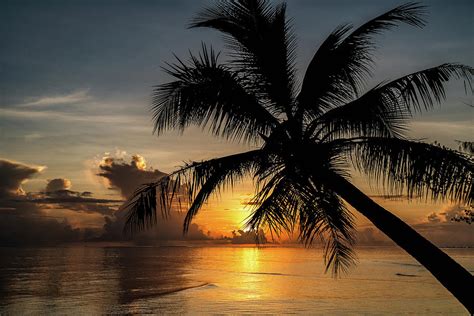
[222, 280]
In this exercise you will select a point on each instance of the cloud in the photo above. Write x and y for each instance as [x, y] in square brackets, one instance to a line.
[447, 234]
[69, 200]
[248, 237]
[71, 98]
[55, 116]
[448, 214]
[434, 218]
[23, 222]
[437, 228]
[458, 213]
[58, 184]
[28, 226]
[13, 174]
[36, 218]
[165, 230]
[32, 137]
[127, 177]
[372, 236]
[29, 218]
[57, 195]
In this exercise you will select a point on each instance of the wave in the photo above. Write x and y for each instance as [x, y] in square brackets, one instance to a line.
[176, 290]
[267, 273]
[406, 275]
[400, 263]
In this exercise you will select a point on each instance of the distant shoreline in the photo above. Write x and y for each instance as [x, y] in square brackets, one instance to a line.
[200, 244]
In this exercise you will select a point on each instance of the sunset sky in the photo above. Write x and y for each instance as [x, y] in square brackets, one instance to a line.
[75, 123]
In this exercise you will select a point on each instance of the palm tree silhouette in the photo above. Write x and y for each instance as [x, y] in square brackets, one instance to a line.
[307, 140]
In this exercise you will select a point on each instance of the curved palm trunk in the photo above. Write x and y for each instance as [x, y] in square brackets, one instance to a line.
[451, 274]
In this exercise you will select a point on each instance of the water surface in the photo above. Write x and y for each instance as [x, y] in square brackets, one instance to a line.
[224, 280]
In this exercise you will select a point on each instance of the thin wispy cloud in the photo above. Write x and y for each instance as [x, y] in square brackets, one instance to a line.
[463, 125]
[32, 137]
[71, 98]
[53, 115]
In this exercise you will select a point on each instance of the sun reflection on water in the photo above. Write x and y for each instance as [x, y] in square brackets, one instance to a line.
[249, 265]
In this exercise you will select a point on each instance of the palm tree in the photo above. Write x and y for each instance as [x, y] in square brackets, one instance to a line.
[306, 141]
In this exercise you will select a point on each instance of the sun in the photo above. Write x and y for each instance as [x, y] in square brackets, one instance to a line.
[227, 212]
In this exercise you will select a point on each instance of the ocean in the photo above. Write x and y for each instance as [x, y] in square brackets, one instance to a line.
[90, 280]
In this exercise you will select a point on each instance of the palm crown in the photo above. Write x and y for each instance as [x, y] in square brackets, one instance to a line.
[307, 140]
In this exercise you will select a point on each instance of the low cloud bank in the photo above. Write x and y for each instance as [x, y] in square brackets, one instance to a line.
[37, 218]
[438, 227]
[22, 221]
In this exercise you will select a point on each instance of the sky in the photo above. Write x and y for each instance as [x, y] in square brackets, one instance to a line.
[75, 123]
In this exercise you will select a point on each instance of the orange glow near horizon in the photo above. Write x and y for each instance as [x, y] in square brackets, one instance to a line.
[227, 212]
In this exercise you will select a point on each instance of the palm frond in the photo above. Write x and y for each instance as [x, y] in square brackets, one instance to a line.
[423, 89]
[209, 94]
[372, 115]
[276, 206]
[143, 207]
[262, 45]
[384, 110]
[190, 185]
[318, 90]
[325, 216]
[287, 200]
[344, 61]
[209, 177]
[417, 169]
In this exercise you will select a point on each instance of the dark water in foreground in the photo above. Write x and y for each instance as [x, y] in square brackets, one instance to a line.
[224, 280]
